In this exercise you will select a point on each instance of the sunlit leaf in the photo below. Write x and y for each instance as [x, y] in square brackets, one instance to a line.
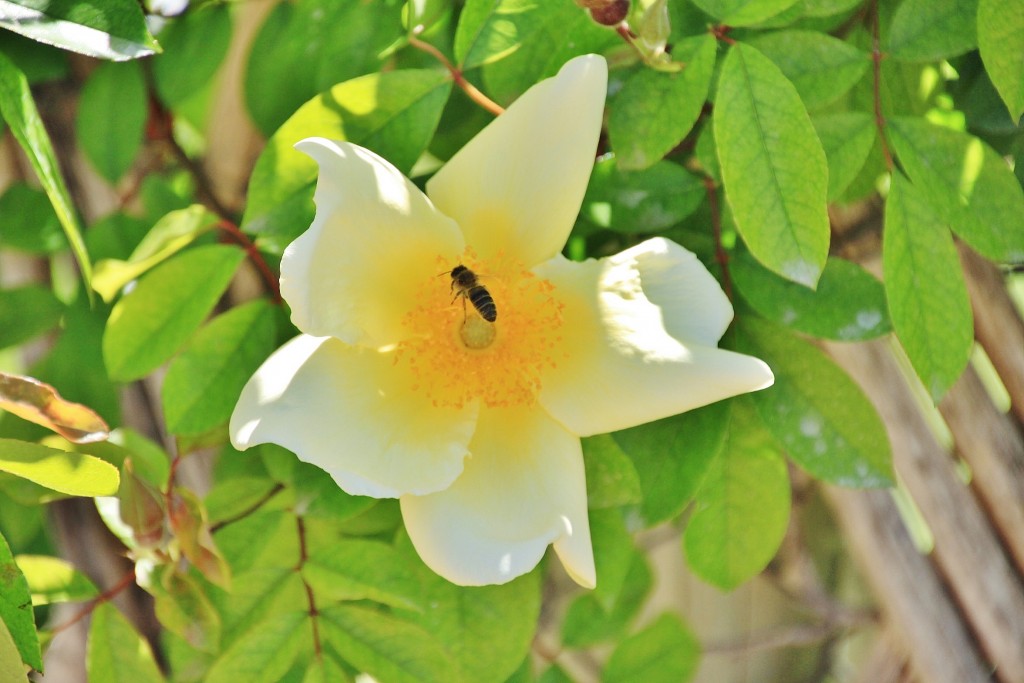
[612, 480]
[847, 139]
[116, 652]
[487, 31]
[264, 652]
[37, 402]
[1001, 42]
[75, 474]
[52, 580]
[16, 608]
[820, 67]
[354, 569]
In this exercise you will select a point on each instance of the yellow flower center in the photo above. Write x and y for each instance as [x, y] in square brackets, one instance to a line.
[457, 356]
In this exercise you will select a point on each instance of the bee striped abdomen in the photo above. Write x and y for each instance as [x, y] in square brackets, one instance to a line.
[483, 303]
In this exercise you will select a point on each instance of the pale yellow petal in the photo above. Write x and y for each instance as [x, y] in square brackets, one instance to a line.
[375, 239]
[518, 185]
[351, 412]
[639, 337]
[523, 488]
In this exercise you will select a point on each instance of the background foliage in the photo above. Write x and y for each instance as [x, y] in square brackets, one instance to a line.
[732, 127]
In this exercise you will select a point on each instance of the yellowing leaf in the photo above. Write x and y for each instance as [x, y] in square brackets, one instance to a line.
[37, 402]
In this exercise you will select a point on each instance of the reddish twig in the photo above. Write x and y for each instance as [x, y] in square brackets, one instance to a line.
[721, 32]
[310, 598]
[105, 596]
[254, 255]
[876, 72]
[721, 255]
[471, 90]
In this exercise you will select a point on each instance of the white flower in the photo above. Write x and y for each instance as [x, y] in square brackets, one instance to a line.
[397, 388]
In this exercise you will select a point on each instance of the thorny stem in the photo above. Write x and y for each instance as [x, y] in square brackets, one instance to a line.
[310, 598]
[105, 596]
[254, 255]
[460, 80]
[876, 80]
[716, 230]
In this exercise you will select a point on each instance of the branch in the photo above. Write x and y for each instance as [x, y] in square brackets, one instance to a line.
[456, 73]
[105, 596]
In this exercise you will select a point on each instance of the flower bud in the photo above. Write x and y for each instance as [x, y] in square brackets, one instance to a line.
[610, 13]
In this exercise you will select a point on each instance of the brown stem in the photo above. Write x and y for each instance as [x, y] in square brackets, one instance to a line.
[105, 596]
[310, 598]
[721, 32]
[721, 255]
[460, 80]
[254, 255]
[876, 73]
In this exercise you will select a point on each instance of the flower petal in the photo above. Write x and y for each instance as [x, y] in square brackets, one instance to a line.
[522, 488]
[374, 241]
[639, 335]
[518, 185]
[351, 412]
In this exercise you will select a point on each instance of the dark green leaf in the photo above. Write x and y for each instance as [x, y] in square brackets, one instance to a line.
[666, 651]
[264, 652]
[152, 322]
[194, 46]
[587, 623]
[115, 236]
[927, 30]
[1001, 42]
[19, 111]
[117, 653]
[655, 110]
[966, 183]
[822, 418]
[847, 139]
[75, 474]
[112, 114]
[743, 12]
[29, 223]
[644, 201]
[26, 312]
[612, 480]
[820, 67]
[927, 296]
[306, 47]
[849, 304]
[107, 29]
[484, 632]
[742, 507]
[393, 113]
[386, 647]
[671, 456]
[16, 608]
[773, 167]
[203, 383]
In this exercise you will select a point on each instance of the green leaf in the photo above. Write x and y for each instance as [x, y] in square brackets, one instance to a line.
[306, 47]
[266, 539]
[203, 383]
[194, 46]
[664, 651]
[672, 455]
[183, 609]
[151, 323]
[928, 30]
[114, 236]
[353, 569]
[744, 12]
[117, 653]
[1001, 43]
[112, 114]
[486, 31]
[75, 474]
[822, 418]
[29, 221]
[385, 646]
[171, 234]
[613, 554]
[773, 167]
[821, 68]
[26, 312]
[111, 29]
[232, 497]
[392, 113]
[654, 110]
[928, 299]
[19, 111]
[52, 580]
[484, 632]
[847, 139]
[16, 609]
[644, 201]
[612, 480]
[966, 183]
[742, 508]
[849, 304]
[264, 652]
[549, 34]
[12, 669]
[588, 623]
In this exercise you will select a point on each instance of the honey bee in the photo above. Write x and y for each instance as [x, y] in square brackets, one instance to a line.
[466, 285]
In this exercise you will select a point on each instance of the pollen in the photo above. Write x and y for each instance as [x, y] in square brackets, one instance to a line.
[456, 356]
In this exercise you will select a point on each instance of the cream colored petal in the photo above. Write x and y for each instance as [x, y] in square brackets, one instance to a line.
[351, 412]
[639, 337]
[373, 243]
[523, 488]
[518, 185]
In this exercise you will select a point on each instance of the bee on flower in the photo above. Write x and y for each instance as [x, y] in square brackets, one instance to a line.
[474, 421]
